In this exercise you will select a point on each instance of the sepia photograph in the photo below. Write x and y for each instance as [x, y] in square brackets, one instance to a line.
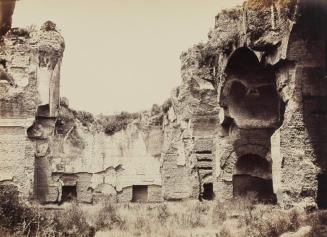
[163, 118]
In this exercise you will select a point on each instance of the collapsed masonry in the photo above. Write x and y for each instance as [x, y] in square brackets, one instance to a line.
[249, 118]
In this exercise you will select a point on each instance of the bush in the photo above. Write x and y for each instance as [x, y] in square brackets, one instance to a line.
[156, 109]
[72, 222]
[116, 123]
[318, 221]
[107, 218]
[166, 105]
[19, 219]
[224, 232]
[162, 214]
[84, 117]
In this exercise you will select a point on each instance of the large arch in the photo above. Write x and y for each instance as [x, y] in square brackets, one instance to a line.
[249, 94]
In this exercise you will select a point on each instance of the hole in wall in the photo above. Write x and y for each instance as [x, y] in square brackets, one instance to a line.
[43, 110]
[205, 152]
[250, 92]
[208, 193]
[247, 186]
[253, 179]
[140, 193]
[69, 194]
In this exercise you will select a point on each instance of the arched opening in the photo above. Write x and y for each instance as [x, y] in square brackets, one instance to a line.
[250, 92]
[252, 178]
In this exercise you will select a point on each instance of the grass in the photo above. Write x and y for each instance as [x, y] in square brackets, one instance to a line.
[235, 218]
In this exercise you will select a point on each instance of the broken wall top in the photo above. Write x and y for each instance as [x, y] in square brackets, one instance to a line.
[30, 72]
[265, 28]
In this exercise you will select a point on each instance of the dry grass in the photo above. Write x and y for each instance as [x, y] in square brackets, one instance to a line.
[236, 218]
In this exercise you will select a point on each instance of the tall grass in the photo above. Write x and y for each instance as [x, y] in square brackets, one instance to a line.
[235, 218]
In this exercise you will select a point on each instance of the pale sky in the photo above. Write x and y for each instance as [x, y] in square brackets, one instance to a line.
[122, 55]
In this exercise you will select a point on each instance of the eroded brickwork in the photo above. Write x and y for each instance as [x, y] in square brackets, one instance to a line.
[249, 118]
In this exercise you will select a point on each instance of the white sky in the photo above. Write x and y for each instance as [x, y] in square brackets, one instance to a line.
[122, 54]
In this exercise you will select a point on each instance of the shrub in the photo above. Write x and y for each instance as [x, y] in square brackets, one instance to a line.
[166, 105]
[11, 211]
[48, 26]
[318, 221]
[108, 218]
[224, 232]
[162, 213]
[155, 109]
[116, 123]
[84, 117]
[72, 222]
[19, 219]
[271, 222]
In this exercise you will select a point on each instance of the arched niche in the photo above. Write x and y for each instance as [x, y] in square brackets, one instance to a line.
[252, 177]
[249, 93]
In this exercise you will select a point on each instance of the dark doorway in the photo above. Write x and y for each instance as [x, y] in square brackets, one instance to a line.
[322, 191]
[140, 193]
[208, 193]
[253, 179]
[245, 185]
[69, 194]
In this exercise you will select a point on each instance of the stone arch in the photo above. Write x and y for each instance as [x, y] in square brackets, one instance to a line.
[228, 160]
[249, 94]
[252, 177]
[247, 165]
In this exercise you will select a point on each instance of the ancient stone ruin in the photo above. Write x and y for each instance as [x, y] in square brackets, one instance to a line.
[249, 118]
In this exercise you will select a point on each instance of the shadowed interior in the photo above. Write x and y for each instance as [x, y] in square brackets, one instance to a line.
[140, 193]
[250, 92]
[253, 179]
[208, 193]
[322, 191]
[69, 194]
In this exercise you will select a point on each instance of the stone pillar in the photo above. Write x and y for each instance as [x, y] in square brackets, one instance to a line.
[27, 117]
[298, 146]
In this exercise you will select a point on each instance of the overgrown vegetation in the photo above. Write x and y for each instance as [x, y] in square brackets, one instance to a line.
[110, 124]
[66, 125]
[236, 218]
[21, 219]
[118, 122]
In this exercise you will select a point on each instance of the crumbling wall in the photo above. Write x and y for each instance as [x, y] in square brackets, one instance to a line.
[27, 120]
[300, 141]
[104, 166]
[262, 77]
[254, 93]
[190, 128]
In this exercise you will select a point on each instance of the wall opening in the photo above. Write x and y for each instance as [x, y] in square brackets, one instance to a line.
[253, 179]
[140, 193]
[322, 191]
[208, 193]
[250, 93]
[68, 194]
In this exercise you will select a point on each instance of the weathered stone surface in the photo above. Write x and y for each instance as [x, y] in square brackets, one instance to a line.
[248, 117]
[261, 76]
[22, 141]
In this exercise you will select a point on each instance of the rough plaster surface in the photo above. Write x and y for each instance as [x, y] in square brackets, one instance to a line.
[256, 88]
